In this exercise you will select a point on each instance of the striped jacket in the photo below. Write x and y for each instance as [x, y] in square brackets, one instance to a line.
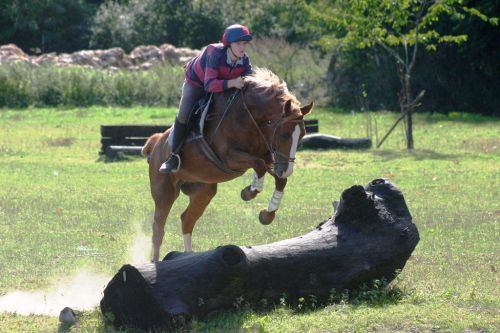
[212, 68]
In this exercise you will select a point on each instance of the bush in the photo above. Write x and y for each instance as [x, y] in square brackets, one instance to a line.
[22, 85]
[302, 69]
[14, 86]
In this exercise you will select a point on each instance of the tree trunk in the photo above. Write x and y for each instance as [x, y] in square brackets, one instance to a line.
[370, 236]
[409, 132]
[408, 108]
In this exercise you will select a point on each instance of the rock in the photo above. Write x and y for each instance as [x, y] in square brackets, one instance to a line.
[147, 54]
[142, 57]
[67, 316]
[12, 49]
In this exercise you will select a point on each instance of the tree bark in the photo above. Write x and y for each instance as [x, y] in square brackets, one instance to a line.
[370, 236]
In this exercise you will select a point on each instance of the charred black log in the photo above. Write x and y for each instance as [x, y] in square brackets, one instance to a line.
[325, 141]
[370, 236]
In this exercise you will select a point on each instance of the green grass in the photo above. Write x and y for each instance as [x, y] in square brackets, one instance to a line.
[63, 209]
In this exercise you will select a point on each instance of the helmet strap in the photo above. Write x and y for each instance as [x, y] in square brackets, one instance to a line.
[230, 49]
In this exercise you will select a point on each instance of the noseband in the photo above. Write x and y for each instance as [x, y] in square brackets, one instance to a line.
[269, 143]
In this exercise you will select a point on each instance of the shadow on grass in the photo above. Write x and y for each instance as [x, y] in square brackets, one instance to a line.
[235, 319]
[462, 117]
[232, 321]
[119, 157]
[416, 154]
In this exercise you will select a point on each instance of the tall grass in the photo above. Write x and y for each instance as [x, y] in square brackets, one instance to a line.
[23, 85]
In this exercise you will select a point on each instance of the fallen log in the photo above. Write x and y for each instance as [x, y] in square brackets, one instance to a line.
[325, 141]
[370, 236]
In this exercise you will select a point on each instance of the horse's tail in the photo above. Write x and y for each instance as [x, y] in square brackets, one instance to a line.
[150, 143]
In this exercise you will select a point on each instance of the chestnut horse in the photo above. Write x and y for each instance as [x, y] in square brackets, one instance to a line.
[260, 130]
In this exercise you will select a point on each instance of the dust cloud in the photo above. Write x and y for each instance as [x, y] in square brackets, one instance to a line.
[82, 292]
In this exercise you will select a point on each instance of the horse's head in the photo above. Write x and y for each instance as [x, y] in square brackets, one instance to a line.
[279, 116]
[288, 133]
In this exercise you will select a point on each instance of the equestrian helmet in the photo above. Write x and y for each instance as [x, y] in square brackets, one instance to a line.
[236, 33]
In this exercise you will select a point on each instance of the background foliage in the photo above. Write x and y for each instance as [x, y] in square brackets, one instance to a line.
[456, 77]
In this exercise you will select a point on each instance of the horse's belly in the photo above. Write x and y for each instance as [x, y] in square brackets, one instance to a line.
[196, 168]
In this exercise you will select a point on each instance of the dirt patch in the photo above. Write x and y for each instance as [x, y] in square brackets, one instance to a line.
[60, 142]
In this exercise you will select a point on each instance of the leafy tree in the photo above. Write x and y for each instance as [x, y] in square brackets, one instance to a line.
[47, 25]
[192, 23]
[113, 26]
[398, 27]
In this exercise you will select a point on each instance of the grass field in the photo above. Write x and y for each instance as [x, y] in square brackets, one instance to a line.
[64, 212]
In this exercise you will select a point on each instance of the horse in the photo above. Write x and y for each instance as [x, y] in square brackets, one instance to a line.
[258, 127]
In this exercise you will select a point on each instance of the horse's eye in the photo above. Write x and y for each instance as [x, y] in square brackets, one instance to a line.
[285, 136]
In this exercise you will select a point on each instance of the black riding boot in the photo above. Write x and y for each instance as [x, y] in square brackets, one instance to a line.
[173, 163]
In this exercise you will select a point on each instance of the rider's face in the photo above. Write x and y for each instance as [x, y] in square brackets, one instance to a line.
[239, 48]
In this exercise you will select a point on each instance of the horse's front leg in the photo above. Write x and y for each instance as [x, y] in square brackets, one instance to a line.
[266, 216]
[257, 185]
[238, 160]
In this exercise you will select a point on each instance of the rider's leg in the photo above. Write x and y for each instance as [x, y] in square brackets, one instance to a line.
[190, 95]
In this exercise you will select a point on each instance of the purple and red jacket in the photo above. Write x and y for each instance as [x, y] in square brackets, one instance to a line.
[212, 68]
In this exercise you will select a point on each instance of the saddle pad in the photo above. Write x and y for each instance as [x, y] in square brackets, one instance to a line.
[197, 119]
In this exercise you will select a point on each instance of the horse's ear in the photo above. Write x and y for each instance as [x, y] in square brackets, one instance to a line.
[307, 108]
[288, 107]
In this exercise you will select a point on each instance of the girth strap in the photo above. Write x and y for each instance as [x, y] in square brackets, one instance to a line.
[212, 157]
[205, 147]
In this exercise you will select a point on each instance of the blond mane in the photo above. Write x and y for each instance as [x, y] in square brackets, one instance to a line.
[269, 83]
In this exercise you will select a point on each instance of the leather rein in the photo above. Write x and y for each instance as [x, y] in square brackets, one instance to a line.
[269, 143]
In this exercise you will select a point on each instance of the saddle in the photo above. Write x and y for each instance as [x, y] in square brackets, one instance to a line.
[196, 126]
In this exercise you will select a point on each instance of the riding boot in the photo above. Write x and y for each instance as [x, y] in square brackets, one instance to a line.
[173, 163]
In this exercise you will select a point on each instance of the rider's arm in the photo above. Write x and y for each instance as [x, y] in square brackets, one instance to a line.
[211, 81]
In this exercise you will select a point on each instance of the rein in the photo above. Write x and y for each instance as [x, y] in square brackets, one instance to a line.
[227, 107]
[269, 143]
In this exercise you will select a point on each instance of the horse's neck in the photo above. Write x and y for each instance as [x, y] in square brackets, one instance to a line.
[233, 125]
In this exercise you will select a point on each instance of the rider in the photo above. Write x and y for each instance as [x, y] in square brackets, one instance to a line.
[219, 67]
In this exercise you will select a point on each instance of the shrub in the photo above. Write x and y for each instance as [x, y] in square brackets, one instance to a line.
[303, 69]
[14, 86]
[22, 85]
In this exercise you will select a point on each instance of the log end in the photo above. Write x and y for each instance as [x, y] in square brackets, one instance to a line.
[128, 300]
[356, 206]
[232, 255]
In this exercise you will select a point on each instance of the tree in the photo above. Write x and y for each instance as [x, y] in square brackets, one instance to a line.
[398, 27]
[47, 25]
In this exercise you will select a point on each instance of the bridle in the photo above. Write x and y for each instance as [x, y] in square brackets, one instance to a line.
[274, 125]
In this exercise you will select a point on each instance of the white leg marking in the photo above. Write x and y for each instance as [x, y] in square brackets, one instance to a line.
[293, 151]
[275, 201]
[187, 243]
[257, 183]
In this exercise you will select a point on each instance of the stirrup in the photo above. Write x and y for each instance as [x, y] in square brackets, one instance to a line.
[173, 164]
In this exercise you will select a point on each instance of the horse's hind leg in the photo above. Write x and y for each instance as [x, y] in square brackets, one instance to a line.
[200, 196]
[163, 203]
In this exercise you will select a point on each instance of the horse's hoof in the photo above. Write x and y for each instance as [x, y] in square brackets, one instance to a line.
[247, 194]
[266, 217]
